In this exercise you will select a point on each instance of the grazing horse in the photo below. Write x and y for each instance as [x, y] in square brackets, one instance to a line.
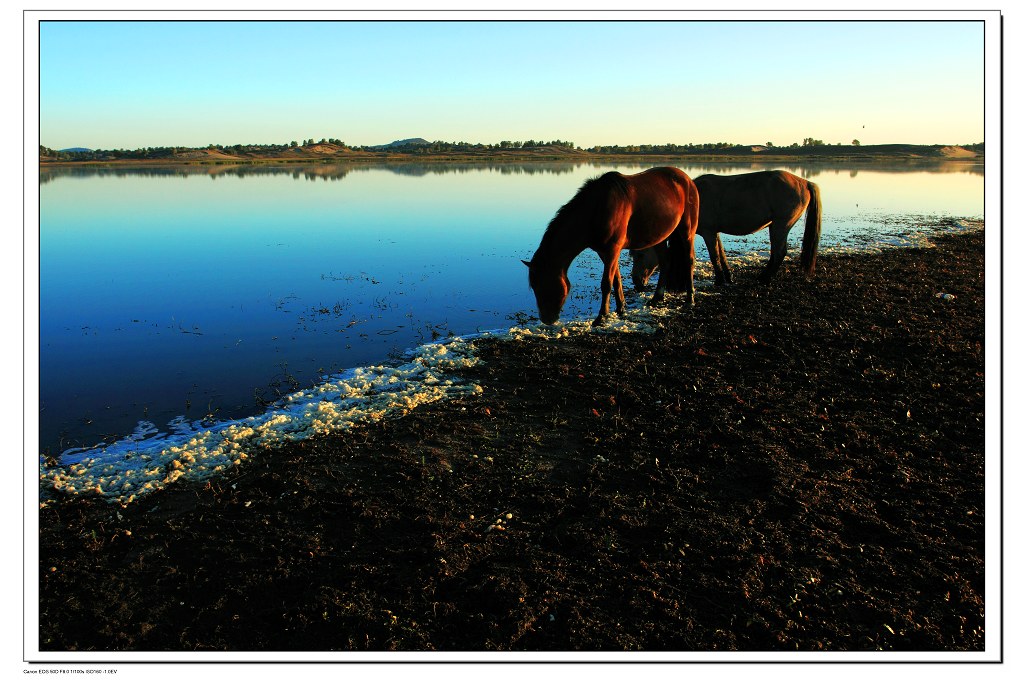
[610, 213]
[743, 204]
[645, 264]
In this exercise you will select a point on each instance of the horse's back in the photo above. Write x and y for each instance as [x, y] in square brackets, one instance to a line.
[749, 200]
[664, 183]
[668, 174]
[788, 193]
[659, 200]
[771, 180]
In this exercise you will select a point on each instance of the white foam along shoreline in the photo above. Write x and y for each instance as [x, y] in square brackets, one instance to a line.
[149, 460]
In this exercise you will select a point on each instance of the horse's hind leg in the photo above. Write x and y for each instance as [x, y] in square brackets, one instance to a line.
[690, 260]
[779, 235]
[662, 252]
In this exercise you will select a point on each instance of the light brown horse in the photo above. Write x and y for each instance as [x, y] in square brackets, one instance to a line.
[742, 205]
[610, 213]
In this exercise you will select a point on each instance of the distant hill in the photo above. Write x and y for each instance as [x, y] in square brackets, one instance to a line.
[410, 142]
[76, 149]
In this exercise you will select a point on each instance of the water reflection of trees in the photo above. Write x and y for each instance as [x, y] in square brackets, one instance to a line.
[338, 171]
[48, 173]
[314, 171]
[811, 170]
[311, 172]
[504, 168]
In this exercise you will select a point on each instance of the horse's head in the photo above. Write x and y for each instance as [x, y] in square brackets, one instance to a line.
[551, 287]
[645, 262]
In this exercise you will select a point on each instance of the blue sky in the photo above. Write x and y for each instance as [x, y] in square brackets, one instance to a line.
[190, 83]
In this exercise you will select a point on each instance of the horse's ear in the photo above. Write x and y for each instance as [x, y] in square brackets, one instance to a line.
[526, 263]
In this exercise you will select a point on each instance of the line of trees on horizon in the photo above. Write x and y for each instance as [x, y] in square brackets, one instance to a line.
[428, 148]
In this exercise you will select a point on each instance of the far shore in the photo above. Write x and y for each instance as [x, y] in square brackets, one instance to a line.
[332, 154]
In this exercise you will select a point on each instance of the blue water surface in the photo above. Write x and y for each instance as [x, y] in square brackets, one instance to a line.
[211, 291]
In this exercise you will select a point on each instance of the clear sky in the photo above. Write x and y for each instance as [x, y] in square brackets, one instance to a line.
[191, 83]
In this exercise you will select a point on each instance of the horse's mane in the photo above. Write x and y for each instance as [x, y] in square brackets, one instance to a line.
[590, 199]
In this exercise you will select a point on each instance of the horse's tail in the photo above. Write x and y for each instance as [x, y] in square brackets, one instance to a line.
[812, 230]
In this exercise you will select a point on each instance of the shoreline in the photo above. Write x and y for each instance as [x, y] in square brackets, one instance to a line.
[657, 160]
[665, 492]
[823, 157]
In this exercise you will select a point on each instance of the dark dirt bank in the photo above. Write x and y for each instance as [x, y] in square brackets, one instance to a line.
[799, 467]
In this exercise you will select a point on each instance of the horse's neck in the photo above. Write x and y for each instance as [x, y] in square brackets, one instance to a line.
[560, 249]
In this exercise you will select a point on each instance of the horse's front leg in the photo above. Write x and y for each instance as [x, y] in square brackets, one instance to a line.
[620, 296]
[711, 241]
[726, 272]
[607, 281]
[717, 256]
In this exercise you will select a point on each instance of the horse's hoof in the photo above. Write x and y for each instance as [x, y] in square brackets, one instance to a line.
[598, 322]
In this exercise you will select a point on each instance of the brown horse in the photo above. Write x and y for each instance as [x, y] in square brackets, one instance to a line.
[743, 204]
[610, 213]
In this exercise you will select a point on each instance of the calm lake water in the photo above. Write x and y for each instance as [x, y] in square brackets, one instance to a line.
[214, 291]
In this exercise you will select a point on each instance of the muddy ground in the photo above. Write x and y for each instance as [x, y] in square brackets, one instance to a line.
[791, 468]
